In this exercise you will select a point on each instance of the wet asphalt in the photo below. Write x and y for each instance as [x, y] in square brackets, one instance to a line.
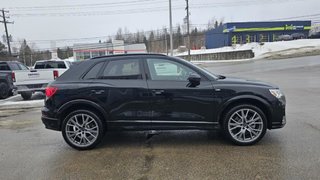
[29, 151]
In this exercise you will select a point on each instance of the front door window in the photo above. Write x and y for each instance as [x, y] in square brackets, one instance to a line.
[161, 69]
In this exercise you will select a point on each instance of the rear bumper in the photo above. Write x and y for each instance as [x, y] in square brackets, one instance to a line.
[31, 88]
[50, 122]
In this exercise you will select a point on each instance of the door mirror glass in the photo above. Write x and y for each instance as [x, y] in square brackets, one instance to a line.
[194, 80]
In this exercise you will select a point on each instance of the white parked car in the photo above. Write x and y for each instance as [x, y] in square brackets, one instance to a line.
[36, 79]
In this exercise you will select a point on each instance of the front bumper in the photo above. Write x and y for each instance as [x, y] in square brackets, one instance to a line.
[278, 114]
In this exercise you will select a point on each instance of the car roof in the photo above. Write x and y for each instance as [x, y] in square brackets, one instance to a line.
[10, 62]
[124, 55]
[52, 60]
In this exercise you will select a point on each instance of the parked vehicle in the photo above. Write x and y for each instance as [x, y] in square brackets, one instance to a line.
[7, 76]
[157, 92]
[314, 35]
[36, 79]
[285, 37]
[298, 36]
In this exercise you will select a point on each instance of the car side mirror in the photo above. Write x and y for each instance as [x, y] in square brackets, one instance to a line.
[194, 80]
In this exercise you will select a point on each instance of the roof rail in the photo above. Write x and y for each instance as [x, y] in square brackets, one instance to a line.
[135, 54]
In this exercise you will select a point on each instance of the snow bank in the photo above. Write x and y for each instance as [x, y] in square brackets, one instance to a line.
[268, 49]
[21, 104]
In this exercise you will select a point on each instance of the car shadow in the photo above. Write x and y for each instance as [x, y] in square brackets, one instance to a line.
[179, 138]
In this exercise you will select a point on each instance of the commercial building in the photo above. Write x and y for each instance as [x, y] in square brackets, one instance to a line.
[246, 32]
[90, 50]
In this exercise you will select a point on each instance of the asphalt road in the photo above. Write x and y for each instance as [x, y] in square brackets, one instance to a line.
[29, 151]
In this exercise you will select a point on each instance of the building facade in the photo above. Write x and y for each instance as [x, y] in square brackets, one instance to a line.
[90, 50]
[246, 32]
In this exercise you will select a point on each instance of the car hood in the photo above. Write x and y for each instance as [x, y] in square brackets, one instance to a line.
[240, 81]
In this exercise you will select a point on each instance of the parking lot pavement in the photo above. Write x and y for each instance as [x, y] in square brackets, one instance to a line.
[29, 151]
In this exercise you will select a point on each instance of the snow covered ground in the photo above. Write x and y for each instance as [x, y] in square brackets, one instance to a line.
[21, 104]
[280, 49]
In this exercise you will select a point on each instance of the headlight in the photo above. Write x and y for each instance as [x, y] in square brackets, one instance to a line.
[276, 93]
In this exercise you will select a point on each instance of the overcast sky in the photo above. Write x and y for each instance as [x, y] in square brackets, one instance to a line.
[73, 19]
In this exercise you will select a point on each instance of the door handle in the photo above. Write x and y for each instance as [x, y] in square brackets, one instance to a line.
[97, 91]
[157, 91]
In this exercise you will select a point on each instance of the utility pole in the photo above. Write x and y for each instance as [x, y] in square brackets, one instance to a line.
[170, 19]
[188, 29]
[5, 22]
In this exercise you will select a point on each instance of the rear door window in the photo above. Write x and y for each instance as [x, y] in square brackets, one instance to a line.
[93, 72]
[23, 67]
[14, 66]
[123, 69]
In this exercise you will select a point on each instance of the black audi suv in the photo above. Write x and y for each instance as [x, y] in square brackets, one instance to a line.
[157, 92]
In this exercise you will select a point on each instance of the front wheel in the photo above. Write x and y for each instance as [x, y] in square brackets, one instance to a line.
[245, 124]
[4, 90]
[83, 129]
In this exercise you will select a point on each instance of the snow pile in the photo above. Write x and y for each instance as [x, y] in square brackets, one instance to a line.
[285, 48]
[21, 104]
[278, 49]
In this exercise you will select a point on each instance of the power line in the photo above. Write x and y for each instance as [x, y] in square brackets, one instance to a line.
[295, 17]
[96, 37]
[127, 3]
[137, 10]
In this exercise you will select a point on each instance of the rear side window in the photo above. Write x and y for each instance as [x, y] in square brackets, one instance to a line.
[14, 66]
[123, 69]
[39, 65]
[93, 72]
[4, 67]
[50, 65]
[23, 67]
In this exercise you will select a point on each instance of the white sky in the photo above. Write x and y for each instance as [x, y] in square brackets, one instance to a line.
[101, 19]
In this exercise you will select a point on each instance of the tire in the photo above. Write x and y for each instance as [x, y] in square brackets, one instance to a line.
[246, 132]
[4, 90]
[26, 95]
[76, 133]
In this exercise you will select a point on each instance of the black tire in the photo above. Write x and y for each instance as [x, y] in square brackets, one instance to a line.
[4, 90]
[67, 128]
[244, 126]
[26, 95]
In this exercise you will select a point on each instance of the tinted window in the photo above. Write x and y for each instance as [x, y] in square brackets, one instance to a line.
[93, 72]
[123, 69]
[4, 67]
[50, 65]
[14, 66]
[39, 65]
[23, 67]
[161, 69]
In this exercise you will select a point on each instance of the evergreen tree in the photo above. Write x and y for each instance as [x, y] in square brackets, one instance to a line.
[25, 54]
[151, 42]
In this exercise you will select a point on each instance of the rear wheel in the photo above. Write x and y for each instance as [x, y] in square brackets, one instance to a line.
[26, 95]
[4, 90]
[83, 129]
[245, 124]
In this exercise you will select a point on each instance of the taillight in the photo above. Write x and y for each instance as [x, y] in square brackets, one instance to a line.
[13, 76]
[50, 91]
[55, 74]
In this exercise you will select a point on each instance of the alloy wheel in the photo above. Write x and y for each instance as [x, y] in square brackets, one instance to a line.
[82, 130]
[245, 125]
